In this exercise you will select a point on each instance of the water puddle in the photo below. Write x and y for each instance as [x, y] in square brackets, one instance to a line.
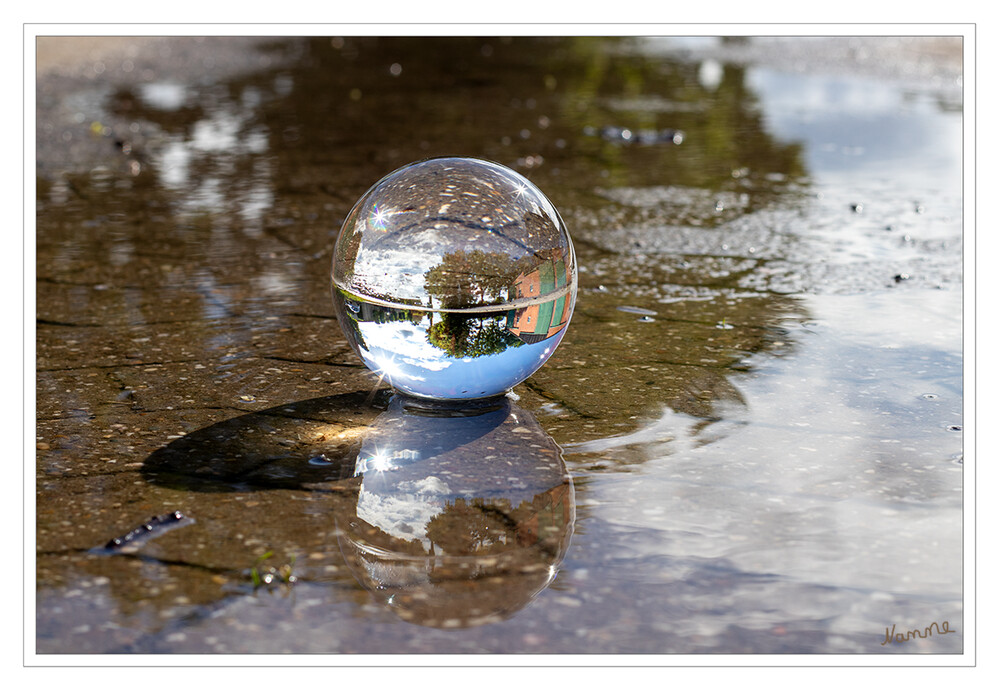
[750, 439]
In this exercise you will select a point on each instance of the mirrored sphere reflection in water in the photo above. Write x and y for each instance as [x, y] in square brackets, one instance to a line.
[462, 515]
[454, 278]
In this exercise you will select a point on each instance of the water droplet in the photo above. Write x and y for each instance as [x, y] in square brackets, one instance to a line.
[441, 303]
[646, 319]
[320, 461]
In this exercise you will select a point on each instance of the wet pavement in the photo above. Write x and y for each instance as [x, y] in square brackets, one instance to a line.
[750, 439]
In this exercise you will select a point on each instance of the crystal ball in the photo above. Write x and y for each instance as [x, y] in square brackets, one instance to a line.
[454, 278]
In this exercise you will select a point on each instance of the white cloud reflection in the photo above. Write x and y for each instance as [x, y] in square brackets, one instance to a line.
[405, 264]
[405, 512]
[400, 337]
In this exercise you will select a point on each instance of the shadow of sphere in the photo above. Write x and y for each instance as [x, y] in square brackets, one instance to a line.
[300, 445]
[451, 515]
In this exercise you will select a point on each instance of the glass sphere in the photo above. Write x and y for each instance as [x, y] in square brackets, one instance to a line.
[454, 278]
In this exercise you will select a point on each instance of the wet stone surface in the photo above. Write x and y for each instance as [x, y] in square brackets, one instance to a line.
[750, 439]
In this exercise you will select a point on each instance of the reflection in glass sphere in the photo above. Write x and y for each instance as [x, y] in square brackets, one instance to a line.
[454, 278]
[462, 516]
